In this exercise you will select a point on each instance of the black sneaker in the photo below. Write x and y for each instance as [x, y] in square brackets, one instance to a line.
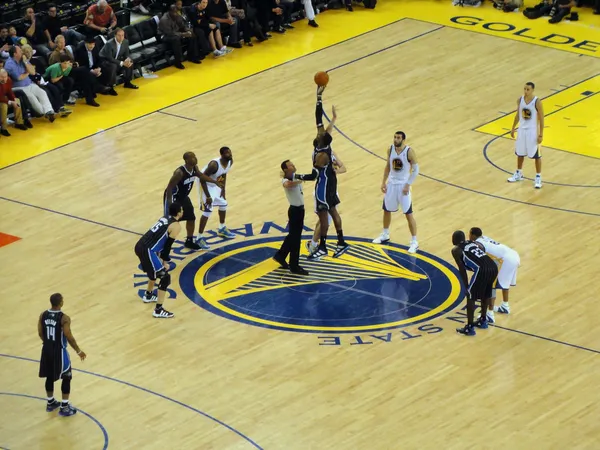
[52, 405]
[149, 297]
[4, 133]
[189, 243]
[317, 254]
[162, 313]
[467, 330]
[67, 411]
[341, 249]
[28, 124]
[313, 24]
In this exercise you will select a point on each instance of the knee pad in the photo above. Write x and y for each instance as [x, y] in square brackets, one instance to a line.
[65, 387]
[223, 208]
[160, 274]
[206, 214]
[165, 281]
[49, 385]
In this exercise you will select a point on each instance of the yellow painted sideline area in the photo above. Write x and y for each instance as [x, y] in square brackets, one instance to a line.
[571, 122]
[174, 86]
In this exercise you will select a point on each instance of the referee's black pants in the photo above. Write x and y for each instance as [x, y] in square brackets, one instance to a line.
[291, 244]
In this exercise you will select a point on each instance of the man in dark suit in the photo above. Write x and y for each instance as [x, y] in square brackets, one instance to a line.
[87, 55]
[115, 59]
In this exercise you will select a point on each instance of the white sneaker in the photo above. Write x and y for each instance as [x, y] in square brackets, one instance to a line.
[414, 246]
[162, 314]
[382, 239]
[149, 299]
[538, 182]
[517, 176]
[218, 53]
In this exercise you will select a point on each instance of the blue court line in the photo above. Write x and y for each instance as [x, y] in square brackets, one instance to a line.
[70, 215]
[89, 416]
[580, 347]
[211, 90]
[148, 391]
[488, 159]
[176, 115]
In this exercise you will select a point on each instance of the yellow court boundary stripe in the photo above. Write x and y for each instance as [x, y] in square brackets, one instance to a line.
[216, 303]
[174, 86]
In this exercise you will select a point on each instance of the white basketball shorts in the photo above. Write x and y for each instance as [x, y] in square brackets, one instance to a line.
[527, 144]
[507, 270]
[394, 199]
[215, 192]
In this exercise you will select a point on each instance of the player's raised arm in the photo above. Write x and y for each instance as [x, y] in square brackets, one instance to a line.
[332, 122]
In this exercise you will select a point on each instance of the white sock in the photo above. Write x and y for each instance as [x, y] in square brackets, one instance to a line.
[221, 226]
[223, 48]
[50, 399]
[314, 243]
[505, 304]
[386, 231]
[201, 236]
[538, 175]
[414, 239]
[519, 171]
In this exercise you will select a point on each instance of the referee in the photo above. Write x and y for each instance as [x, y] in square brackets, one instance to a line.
[291, 244]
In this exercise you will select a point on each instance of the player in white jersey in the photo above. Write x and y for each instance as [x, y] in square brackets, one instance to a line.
[508, 262]
[401, 170]
[217, 169]
[530, 117]
[339, 168]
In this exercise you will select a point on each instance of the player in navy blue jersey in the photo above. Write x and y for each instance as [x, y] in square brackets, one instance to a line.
[469, 256]
[178, 191]
[54, 329]
[326, 197]
[153, 251]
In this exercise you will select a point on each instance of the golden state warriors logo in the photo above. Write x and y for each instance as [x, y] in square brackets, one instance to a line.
[397, 164]
[371, 287]
[526, 112]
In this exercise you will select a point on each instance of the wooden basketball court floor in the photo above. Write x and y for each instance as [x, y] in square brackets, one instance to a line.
[320, 365]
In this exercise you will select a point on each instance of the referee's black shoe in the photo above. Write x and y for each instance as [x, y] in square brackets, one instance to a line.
[282, 262]
[298, 271]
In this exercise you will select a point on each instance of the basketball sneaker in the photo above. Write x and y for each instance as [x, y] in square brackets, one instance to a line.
[189, 243]
[538, 182]
[317, 254]
[202, 244]
[67, 411]
[51, 406]
[482, 323]
[309, 247]
[467, 330]
[382, 239]
[414, 246]
[149, 297]
[225, 233]
[340, 249]
[504, 308]
[162, 313]
[489, 316]
[517, 176]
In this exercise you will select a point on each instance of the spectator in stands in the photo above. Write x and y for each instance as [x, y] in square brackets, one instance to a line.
[55, 27]
[19, 69]
[138, 5]
[308, 10]
[218, 12]
[248, 23]
[87, 55]
[270, 10]
[115, 59]
[174, 31]
[100, 19]
[36, 33]
[12, 35]
[60, 48]
[52, 91]
[58, 75]
[200, 36]
[8, 99]
[5, 41]
[202, 23]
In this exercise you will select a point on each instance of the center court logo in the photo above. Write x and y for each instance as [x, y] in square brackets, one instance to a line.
[370, 288]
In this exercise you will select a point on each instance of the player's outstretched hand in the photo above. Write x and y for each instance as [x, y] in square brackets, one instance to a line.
[320, 90]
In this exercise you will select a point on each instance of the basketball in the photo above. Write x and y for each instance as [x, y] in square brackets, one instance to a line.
[321, 78]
